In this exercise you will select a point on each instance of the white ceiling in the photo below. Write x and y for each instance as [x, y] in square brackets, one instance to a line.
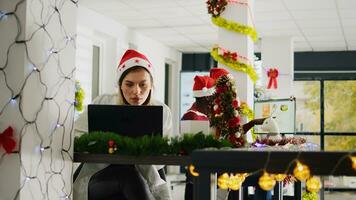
[315, 25]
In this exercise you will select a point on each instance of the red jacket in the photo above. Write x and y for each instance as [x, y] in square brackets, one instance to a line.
[194, 114]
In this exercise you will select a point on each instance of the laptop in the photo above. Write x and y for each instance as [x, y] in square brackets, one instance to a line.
[126, 120]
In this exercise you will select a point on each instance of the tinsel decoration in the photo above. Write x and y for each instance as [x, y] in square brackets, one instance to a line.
[245, 110]
[235, 65]
[235, 27]
[79, 97]
[225, 117]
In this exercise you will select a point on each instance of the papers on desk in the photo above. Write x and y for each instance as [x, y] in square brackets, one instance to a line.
[194, 126]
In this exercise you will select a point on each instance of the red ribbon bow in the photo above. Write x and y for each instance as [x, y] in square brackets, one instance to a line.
[272, 74]
[7, 141]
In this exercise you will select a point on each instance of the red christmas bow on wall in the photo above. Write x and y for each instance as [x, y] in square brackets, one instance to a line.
[7, 141]
[272, 75]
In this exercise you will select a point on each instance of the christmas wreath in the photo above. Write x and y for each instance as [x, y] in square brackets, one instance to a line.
[226, 117]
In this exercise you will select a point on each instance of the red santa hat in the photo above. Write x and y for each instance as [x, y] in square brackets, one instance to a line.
[216, 73]
[203, 86]
[132, 58]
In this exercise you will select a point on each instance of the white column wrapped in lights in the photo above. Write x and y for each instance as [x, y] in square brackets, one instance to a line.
[37, 52]
[242, 44]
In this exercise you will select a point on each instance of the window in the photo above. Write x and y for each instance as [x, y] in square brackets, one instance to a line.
[308, 106]
[340, 106]
[327, 108]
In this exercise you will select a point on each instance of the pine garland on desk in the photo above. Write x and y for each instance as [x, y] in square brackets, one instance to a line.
[97, 142]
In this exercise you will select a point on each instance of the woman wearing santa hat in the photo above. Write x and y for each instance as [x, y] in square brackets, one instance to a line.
[131, 182]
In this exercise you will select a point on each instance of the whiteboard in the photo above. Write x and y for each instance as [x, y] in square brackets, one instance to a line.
[283, 111]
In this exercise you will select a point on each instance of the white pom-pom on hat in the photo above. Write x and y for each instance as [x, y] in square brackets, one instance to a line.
[203, 86]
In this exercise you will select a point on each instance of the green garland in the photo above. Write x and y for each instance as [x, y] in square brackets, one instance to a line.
[97, 142]
[236, 27]
[235, 65]
[79, 97]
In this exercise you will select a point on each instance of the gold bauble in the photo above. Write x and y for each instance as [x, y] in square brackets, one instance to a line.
[192, 170]
[313, 184]
[301, 172]
[266, 182]
[353, 160]
[279, 177]
[223, 181]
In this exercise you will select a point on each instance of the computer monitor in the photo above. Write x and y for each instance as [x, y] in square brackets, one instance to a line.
[126, 120]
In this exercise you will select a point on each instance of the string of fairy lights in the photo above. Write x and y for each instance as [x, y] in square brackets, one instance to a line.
[42, 98]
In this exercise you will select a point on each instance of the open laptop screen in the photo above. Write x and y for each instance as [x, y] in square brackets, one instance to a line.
[133, 121]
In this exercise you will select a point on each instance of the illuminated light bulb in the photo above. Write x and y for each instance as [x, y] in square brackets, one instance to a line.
[266, 182]
[58, 125]
[313, 184]
[68, 38]
[27, 179]
[279, 177]
[192, 170]
[223, 181]
[353, 160]
[42, 149]
[301, 171]
[236, 181]
[3, 15]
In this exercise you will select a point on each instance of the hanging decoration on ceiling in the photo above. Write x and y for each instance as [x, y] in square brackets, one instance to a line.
[272, 75]
[233, 62]
[7, 141]
[79, 97]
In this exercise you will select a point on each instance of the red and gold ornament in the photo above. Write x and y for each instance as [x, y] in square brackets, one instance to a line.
[111, 146]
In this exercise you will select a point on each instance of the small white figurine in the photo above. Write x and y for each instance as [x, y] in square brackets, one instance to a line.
[270, 125]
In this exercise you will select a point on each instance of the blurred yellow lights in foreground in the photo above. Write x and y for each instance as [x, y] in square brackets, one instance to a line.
[353, 160]
[233, 182]
[279, 177]
[301, 171]
[266, 182]
[223, 181]
[192, 170]
[313, 184]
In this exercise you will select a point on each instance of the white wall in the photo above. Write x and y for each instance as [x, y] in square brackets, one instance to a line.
[40, 73]
[116, 38]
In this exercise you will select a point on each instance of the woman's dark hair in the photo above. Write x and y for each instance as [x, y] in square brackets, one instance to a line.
[134, 69]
